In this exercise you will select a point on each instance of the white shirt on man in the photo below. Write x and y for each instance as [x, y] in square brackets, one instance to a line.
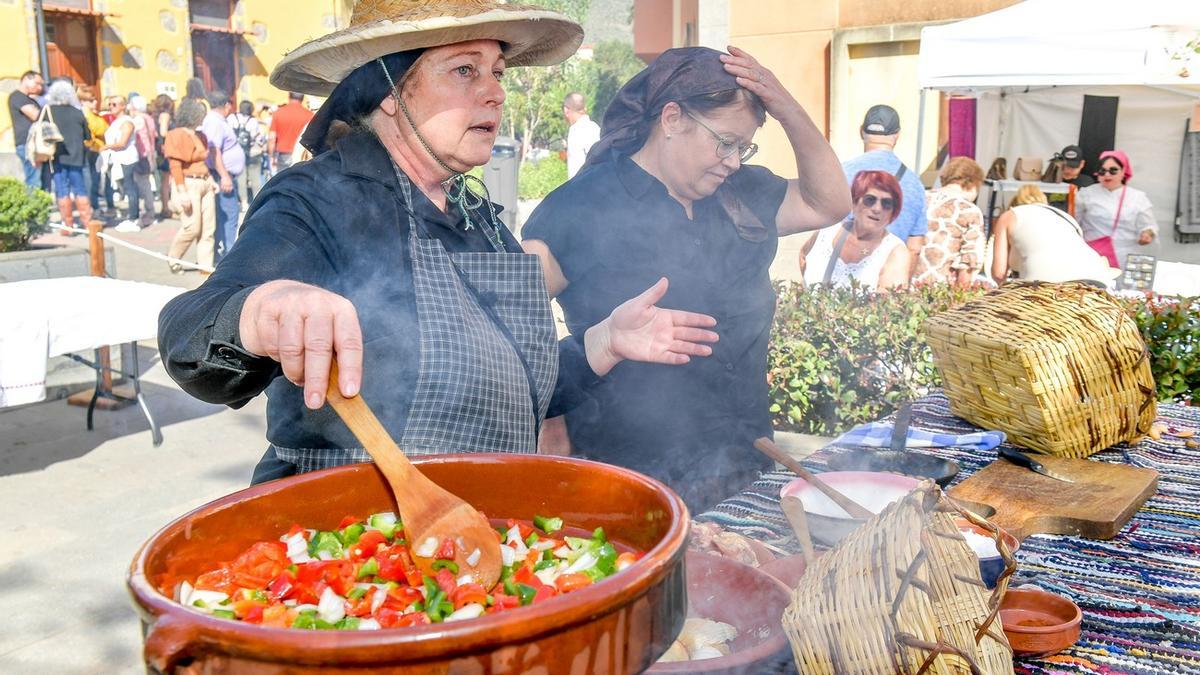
[582, 135]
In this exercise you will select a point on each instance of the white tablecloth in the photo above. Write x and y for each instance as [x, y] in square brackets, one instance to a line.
[51, 317]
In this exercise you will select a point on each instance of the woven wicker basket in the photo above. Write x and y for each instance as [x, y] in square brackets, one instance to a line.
[901, 594]
[1060, 368]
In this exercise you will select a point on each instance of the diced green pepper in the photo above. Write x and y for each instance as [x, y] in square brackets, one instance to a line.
[201, 604]
[369, 569]
[445, 565]
[547, 525]
[348, 623]
[305, 620]
[418, 606]
[607, 559]
[293, 568]
[351, 534]
[380, 522]
[578, 543]
[599, 536]
[526, 593]
[509, 587]
[490, 600]
[356, 593]
[434, 606]
[260, 596]
[531, 539]
[327, 542]
[544, 565]
[224, 614]
[548, 554]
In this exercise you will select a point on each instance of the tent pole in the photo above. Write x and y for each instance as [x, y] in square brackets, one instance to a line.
[920, 133]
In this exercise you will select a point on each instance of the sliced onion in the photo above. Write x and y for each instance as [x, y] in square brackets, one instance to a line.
[297, 548]
[585, 561]
[473, 610]
[563, 552]
[465, 579]
[473, 559]
[513, 535]
[547, 576]
[379, 597]
[332, 607]
[183, 592]
[507, 556]
[368, 624]
[427, 547]
[542, 545]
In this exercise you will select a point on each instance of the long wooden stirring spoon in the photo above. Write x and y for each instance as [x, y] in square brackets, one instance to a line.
[857, 511]
[427, 510]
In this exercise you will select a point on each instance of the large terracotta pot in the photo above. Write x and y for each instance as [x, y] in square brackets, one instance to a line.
[621, 625]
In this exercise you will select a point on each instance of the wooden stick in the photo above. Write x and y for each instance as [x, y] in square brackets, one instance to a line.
[793, 508]
[96, 258]
[767, 447]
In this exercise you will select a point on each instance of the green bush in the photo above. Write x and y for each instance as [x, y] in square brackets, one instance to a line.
[24, 214]
[539, 178]
[1171, 329]
[842, 357]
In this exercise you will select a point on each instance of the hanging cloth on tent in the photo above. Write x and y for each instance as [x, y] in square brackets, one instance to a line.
[962, 127]
[1097, 128]
[1187, 209]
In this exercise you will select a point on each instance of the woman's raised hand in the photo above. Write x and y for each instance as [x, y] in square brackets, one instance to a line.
[639, 331]
[303, 328]
[756, 78]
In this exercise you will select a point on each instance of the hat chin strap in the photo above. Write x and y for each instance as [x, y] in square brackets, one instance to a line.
[465, 192]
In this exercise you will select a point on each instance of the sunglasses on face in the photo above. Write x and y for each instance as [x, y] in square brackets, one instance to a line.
[886, 202]
[1112, 171]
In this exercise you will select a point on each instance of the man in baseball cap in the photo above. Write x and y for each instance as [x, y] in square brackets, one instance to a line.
[1072, 170]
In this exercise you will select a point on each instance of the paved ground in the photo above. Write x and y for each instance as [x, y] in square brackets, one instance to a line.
[77, 505]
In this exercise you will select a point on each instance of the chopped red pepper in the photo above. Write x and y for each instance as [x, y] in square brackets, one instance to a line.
[446, 550]
[572, 582]
[467, 594]
[446, 581]
[367, 544]
[348, 521]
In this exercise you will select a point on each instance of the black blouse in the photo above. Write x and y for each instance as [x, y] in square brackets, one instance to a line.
[615, 231]
[336, 222]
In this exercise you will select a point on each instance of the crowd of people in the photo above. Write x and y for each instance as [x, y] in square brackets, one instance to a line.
[201, 159]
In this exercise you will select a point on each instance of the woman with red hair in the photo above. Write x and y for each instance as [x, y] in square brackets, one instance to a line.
[860, 247]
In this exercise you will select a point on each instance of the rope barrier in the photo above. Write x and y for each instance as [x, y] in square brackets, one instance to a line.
[153, 254]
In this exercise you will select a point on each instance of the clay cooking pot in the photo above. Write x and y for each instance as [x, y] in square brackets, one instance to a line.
[620, 625]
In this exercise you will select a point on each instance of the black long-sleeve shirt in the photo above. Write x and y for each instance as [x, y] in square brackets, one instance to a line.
[336, 222]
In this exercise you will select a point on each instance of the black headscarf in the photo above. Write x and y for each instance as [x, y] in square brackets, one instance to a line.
[678, 74]
[361, 92]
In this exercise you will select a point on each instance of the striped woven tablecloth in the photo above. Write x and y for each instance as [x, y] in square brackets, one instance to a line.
[1139, 592]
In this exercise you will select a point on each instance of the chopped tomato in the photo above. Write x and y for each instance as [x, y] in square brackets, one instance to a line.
[361, 606]
[277, 616]
[259, 564]
[348, 521]
[524, 529]
[572, 582]
[282, 586]
[544, 592]
[503, 601]
[446, 550]
[395, 564]
[467, 594]
[246, 608]
[392, 619]
[367, 544]
[525, 575]
[220, 579]
[401, 598]
[446, 581]
[625, 560]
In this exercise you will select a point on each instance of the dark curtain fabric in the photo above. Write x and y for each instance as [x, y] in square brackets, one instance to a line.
[1097, 129]
[962, 127]
[1187, 227]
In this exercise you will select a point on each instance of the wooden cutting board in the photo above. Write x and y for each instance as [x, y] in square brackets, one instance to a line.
[1096, 506]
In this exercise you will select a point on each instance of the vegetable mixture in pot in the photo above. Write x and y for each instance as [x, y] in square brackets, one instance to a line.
[361, 576]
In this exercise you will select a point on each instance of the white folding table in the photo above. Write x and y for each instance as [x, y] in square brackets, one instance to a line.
[43, 318]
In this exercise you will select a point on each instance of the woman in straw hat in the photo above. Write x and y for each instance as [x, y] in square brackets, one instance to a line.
[379, 254]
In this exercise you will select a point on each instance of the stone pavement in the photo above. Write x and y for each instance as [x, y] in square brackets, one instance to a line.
[77, 505]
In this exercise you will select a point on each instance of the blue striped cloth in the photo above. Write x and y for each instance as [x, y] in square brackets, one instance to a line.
[879, 435]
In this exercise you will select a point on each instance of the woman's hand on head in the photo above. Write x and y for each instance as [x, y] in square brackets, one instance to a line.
[640, 331]
[303, 328]
[754, 77]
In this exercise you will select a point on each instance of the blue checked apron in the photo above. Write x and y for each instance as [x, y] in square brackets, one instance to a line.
[488, 354]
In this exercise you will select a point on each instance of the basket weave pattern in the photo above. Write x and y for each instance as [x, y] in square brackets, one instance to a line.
[901, 594]
[1060, 368]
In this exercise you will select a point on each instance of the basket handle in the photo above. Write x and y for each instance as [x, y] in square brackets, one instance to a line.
[1006, 554]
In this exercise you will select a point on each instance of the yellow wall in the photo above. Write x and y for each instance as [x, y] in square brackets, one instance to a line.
[145, 45]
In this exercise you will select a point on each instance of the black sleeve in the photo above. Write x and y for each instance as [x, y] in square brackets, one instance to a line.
[564, 224]
[198, 331]
[575, 376]
[761, 190]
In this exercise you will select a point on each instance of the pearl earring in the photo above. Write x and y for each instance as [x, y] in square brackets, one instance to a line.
[668, 135]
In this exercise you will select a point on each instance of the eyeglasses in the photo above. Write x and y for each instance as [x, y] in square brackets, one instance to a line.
[886, 202]
[114, 104]
[727, 146]
[1112, 171]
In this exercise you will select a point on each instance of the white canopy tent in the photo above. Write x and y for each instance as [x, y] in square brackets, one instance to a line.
[1030, 65]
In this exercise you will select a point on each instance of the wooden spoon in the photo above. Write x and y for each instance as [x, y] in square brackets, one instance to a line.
[793, 508]
[426, 509]
[767, 447]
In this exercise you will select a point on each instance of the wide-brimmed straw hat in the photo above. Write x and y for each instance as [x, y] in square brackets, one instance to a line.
[530, 37]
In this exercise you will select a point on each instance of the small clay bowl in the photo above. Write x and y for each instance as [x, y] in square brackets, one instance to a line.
[828, 523]
[744, 597]
[991, 565]
[916, 464]
[1039, 623]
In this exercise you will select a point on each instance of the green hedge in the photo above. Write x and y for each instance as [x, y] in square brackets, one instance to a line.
[842, 357]
[24, 214]
[539, 178]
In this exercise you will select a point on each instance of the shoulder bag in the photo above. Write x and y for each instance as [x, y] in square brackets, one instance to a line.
[1104, 245]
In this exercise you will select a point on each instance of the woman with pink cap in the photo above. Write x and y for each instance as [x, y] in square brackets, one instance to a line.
[1116, 218]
